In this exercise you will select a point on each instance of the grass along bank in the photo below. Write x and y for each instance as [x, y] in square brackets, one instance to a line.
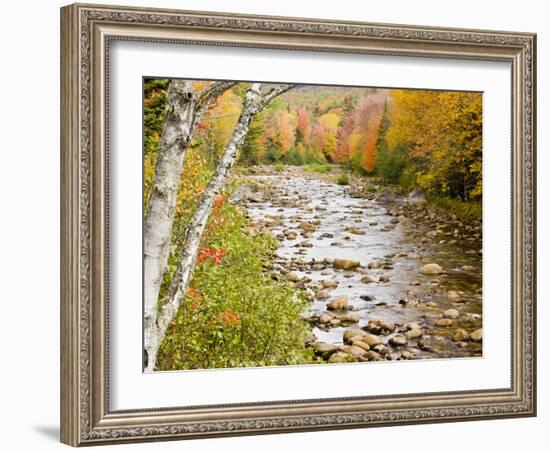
[234, 314]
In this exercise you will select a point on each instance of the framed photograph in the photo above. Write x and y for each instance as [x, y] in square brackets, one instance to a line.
[280, 224]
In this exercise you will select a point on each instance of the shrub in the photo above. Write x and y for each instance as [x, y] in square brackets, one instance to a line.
[294, 157]
[233, 314]
[467, 210]
[279, 167]
[271, 154]
[343, 179]
[390, 163]
[318, 168]
[313, 157]
[408, 179]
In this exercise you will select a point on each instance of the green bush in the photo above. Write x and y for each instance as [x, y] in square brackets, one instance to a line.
[293, 157]
[343, 179]
[271, 154]
[318, 168]
[391, 163]
[312, 157]
[235, 315]
[408, 179]
[467, 210]
[279, 167]
[356, 164]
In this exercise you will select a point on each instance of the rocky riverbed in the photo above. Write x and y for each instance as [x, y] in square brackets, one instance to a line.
[387, 279]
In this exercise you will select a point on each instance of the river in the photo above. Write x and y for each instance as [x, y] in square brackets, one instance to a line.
[317, 221]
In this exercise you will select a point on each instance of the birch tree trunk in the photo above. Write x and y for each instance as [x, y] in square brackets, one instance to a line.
[253, 104]
[185, 111]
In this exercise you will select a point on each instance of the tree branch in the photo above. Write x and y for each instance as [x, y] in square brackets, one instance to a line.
[207, 96]
[215, 87]
[275, 92]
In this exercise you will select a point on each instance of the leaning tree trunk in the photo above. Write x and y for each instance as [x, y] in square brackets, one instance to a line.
[253, 104]
[185, 110]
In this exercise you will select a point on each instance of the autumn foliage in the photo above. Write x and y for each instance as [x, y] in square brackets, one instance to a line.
[429, 139]
[424, 138]
[441, 133]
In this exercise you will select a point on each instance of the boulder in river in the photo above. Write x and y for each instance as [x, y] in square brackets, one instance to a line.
[322, 294]
[338, 303]
[460, 335]
[346, 264]
[367, 279]
[431, 269]
[372, 339]
[451, 313]
[414, 333]
[374, 265]
[477, 335]
[373, 356]
[398, 340]
[354, 350]
[310, 338]
[382, 349]
[354, 230]
[354, 332]
[443, 322]
[325, 319]
[293, 276]
[324, 349]
[342, 357]
[307, 227]
[330, 284]
[348, 318]
[362, 344]
[453, 296]
[379, 326]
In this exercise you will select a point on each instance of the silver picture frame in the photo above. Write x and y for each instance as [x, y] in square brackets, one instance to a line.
[87, 32]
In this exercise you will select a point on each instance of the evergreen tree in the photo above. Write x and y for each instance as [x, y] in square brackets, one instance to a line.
[250, 151]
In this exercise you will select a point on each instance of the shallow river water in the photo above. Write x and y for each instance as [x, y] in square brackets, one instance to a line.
[395, 237]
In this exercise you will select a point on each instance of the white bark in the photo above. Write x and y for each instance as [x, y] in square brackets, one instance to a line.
[185, 111]
[253, 104]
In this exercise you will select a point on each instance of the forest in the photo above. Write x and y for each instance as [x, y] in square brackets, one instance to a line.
[211, 297]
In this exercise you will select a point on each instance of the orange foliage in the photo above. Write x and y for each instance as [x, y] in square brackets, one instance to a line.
[286, 134]
[369, 152]
[303, 125]
[209, 253]
[230, 318]
[219, 200]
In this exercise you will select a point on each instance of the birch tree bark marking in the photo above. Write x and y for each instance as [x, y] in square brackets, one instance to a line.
[253, 104]
[185, 111]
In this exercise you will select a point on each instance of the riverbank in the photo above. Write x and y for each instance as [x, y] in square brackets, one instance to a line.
[234, 314]
[385, 280]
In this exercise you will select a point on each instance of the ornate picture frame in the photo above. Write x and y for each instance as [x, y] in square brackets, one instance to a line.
[87, 32]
